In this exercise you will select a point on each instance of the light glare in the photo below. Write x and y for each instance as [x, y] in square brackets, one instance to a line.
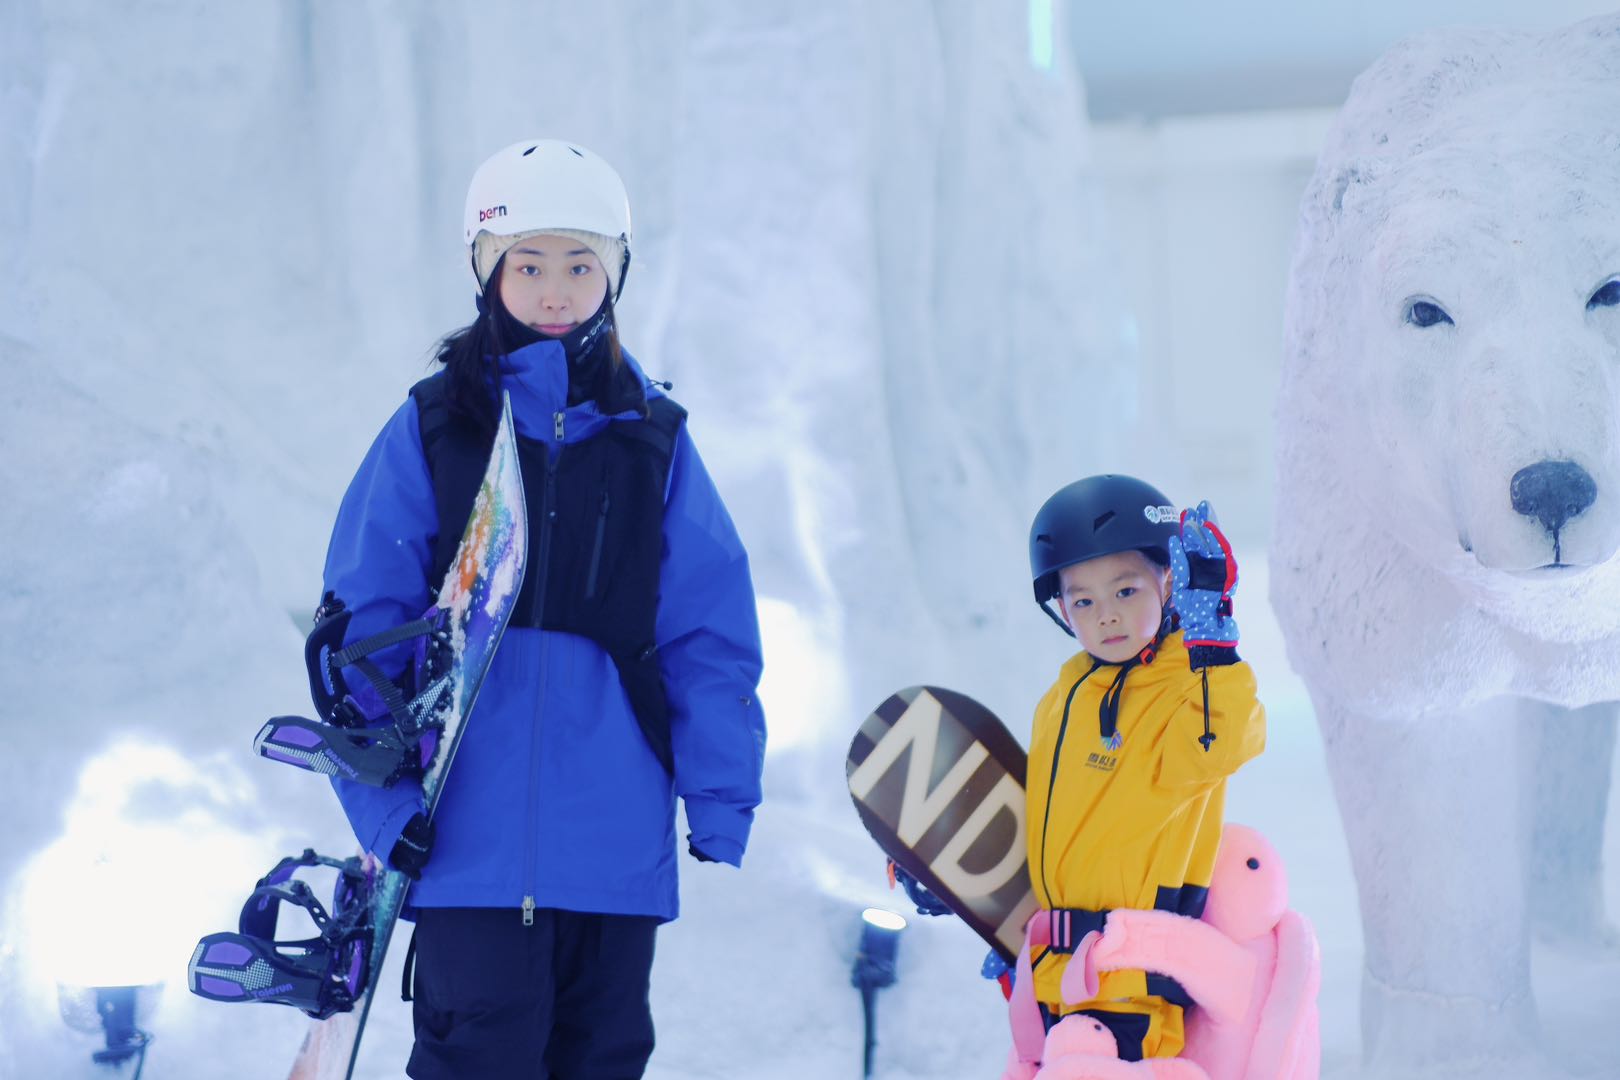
[884, 920]
[802, 683]
[120, 897]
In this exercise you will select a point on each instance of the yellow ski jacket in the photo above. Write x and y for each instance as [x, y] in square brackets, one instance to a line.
[1135, 820]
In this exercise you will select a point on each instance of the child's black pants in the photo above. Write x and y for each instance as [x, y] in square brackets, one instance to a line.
[564, 999]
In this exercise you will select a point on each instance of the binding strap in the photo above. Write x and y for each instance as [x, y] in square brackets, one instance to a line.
[407, 713]
[407, 979]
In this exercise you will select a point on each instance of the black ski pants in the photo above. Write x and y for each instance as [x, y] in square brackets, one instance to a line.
[563, 999]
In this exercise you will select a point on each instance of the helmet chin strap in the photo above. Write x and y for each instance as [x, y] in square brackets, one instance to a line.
[624, 269]
[1167, 625]
[1062, 621]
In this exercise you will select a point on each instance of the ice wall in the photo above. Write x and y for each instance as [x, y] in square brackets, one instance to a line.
[887, 264]
[868, 253]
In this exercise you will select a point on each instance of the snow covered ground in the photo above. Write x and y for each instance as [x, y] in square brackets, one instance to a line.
[234, 242]
[753, 980]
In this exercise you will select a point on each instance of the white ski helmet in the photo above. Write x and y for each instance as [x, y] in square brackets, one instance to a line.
[547, 186]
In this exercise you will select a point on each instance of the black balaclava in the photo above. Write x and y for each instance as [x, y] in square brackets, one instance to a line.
[588, 348]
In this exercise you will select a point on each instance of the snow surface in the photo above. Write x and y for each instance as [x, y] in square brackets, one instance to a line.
[869, 253]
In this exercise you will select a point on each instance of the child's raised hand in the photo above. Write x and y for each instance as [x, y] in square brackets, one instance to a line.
[1201, 538]
[1203, 573]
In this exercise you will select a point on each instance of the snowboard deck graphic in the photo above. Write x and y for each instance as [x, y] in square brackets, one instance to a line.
[479, 591]
[938, 781]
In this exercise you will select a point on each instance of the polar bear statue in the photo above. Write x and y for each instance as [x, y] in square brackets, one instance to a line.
[1448, 515]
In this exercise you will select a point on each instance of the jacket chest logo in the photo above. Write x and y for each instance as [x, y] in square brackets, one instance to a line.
[1102, 762]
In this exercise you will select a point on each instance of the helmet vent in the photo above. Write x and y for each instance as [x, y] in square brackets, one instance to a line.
[1044, 538]
[575, 149]
[529, 151]
[1102, 519]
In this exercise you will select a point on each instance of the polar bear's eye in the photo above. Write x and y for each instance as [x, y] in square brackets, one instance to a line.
[1426, 313]
[1608, 296]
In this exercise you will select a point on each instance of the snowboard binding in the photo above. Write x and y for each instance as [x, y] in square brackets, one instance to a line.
[347, 742]
[321, 975]
[919, 894]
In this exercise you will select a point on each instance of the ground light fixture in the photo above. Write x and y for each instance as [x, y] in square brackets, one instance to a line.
[152, 828]
[113, 1012]
[874, 967]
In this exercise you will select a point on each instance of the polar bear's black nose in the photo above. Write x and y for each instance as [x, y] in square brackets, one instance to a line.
[1552, 492]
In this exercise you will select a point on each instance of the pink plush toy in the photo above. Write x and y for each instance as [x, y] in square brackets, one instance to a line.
[1252, 966]
[1081, 1048]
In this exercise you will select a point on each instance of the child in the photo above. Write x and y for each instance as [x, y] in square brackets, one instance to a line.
[1132, 745]
[626, 677]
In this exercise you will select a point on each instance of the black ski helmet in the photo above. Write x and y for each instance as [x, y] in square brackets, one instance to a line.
[1100, 515]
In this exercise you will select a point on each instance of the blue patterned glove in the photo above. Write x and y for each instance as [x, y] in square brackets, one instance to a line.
[1203, 573]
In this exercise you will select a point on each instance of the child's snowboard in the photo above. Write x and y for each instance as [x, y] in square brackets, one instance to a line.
[939, 783]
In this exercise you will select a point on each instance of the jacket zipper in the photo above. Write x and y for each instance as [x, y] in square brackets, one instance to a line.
[596, 549]
[537, 610]
[1051, 786]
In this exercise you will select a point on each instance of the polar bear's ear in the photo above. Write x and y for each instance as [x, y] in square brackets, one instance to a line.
[1338, 192]
[1350, 184]
[1346, 178]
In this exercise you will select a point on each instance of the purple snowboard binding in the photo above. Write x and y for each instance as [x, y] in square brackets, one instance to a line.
[376, 750]
[321, 975]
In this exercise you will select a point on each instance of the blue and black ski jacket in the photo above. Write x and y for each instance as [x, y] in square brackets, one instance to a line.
[556, 798]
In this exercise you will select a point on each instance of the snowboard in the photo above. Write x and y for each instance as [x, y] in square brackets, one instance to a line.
[479, 592]
[938, 781]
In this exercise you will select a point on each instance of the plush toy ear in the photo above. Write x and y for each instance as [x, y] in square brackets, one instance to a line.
[1249, 890]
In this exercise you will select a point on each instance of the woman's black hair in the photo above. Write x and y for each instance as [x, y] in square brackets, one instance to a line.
[472, 376]
[472, 379]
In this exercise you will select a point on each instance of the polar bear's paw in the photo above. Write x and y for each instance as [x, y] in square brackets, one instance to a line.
[1424, 1033]
[1590, 937]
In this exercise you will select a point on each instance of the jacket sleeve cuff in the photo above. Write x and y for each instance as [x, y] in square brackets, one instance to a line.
[1203, 656]
[717, 830]
[719, 848]
[390, 828]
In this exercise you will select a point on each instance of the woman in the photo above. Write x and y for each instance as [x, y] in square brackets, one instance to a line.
[626, 677]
